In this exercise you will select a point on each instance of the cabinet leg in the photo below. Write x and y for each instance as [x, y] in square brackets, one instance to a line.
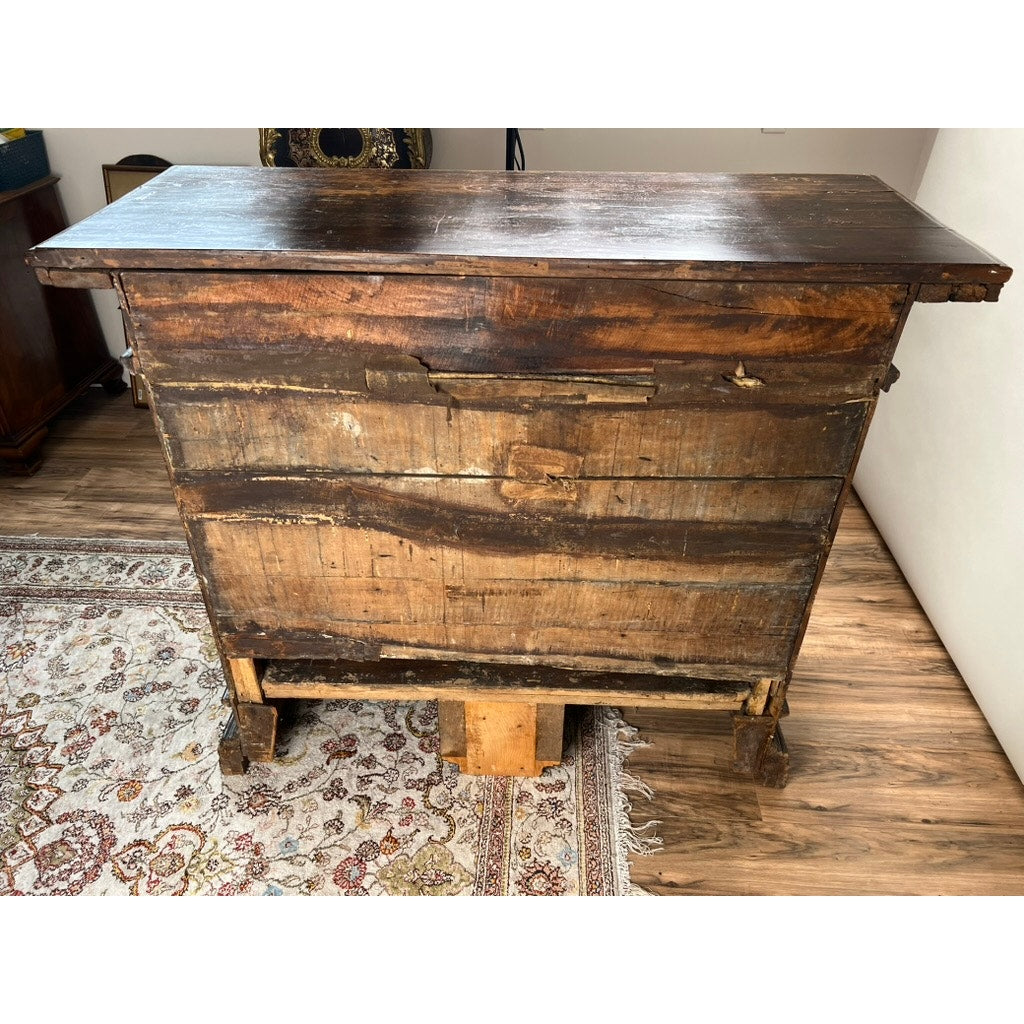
[759, 747]
[257, 720]
[229, 750]
[501, 738]
[24, 459]
[257, 727]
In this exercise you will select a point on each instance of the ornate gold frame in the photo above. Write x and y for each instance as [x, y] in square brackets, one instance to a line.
[414, 139]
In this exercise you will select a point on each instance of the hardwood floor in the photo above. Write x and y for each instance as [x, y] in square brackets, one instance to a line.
[897, 783]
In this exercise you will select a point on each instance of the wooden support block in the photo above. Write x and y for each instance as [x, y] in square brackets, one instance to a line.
[452, 727]
[550, 729]
[245, 678]
[760, 750]
[257, 725]
[229, 750]
[774, 769]
[500, 737]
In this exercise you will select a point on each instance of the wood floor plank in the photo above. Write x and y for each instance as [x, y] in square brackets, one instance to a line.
[897, 785]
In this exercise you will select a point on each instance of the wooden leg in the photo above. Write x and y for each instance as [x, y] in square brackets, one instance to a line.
[501, 738]
[257, 720]
[232, 760]
[760, 749]
[24, 459]
[257, 727]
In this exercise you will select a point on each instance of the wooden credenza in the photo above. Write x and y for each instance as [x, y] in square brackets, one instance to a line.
[51, 345]
[514, 441]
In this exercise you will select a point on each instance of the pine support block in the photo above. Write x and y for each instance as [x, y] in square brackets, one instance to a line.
[501, 737]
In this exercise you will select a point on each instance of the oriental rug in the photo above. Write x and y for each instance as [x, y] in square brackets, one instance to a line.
[112, 701]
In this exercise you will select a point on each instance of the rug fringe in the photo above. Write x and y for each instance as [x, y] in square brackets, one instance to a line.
[630, 838]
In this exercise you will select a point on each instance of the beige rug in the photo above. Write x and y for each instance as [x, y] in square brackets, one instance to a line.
[111, 706]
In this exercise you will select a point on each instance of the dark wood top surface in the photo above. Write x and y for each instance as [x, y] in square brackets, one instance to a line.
[712, 226]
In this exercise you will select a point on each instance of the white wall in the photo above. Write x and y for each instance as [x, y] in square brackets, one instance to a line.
[942, 473]
[894, 154]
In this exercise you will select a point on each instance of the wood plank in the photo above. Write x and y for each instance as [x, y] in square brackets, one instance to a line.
[317, 433]
[499, 324]
[570, 379]
[721, 655]
[337, 528]
[423, 611]
[501, 738]
[245, 680]
[322, 551]
[814, 227]
[473, 681]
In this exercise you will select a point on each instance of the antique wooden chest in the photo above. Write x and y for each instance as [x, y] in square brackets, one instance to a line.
[513, 441]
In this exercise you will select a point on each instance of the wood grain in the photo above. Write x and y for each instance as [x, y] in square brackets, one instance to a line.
[897, 784]
[710, 226]
[501, 739]
[245, 680]
[263, 432]
[506, 324]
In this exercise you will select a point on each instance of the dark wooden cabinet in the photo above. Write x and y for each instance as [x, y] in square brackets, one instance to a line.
[51, 345]
[514, 441]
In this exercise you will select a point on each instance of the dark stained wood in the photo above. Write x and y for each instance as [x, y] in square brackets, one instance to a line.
[508, 440]
[51, 346]
[505, 323]
[404, 679]
[229, 749]
[694, 226]
[257, 729]
[333, 518]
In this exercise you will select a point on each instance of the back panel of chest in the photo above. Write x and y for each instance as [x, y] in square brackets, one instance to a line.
[627, 475]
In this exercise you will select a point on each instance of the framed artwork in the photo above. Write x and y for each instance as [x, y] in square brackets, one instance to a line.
[346, 147]
[118, 180]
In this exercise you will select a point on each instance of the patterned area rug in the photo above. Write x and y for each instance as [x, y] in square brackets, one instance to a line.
[111, 707]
